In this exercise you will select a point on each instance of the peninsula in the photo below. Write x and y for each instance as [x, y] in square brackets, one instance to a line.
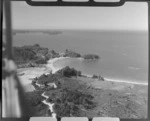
[68, 92]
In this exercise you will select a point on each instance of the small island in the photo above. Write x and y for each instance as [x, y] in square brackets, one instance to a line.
[73, 54]
[91, 57]
[18, 31]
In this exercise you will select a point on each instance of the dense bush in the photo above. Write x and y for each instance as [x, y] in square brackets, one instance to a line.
[33, 54]
[45, 79]
[40, 61]
[34, 98]
[72, 102]
[95, 77]
[68, 72]
[54, 54]
[101, 78]
[98, 77]
[22, 55]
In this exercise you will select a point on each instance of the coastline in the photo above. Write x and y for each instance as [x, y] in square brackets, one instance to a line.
[124, 81]
[54, 70]
[118, 81]
[27, 74]
[50, 64]
[33, 72]
[116, 89]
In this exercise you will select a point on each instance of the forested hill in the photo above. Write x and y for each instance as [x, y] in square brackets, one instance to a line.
[32, 55]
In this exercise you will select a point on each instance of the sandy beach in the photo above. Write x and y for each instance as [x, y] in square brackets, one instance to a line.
[27, 74]
[50, 64]
[124, 81]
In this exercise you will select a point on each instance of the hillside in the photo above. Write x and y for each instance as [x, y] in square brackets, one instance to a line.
[32, 55]
[79, 96]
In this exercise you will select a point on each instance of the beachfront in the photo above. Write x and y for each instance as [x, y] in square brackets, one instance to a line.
[137, 91]
[27, 74]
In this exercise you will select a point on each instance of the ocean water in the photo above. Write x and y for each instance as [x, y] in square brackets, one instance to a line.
[123, 55]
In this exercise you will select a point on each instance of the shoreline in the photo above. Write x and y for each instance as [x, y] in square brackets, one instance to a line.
[125, 89]
[54, 70]
[33, 72]
[129, 82]
[50, 64]
[118, 81]
[28, 75]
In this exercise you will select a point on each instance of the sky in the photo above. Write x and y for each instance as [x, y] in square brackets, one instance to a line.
[132, 16]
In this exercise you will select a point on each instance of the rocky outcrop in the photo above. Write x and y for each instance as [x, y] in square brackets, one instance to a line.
[69, 53]
[91, 57]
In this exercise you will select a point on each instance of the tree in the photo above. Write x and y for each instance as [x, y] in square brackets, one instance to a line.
[68, 72]
[36, 45]
[95, 77]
